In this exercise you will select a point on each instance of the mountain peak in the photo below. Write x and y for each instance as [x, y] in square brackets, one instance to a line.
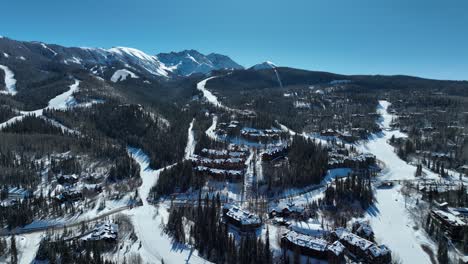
[264, 65]
[187, 62]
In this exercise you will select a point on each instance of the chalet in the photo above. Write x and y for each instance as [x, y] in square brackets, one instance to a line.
[272, 153]
[67, 179]
[242, 219]
[220, 174]
[363, 160]
[261, 135]
[449, 220]
[336, 252]
[15, 193]
[307, 245]
[361, 248]
[104, 232]
[379, 254]
[227, 164]
[287, 210]
[363, 229]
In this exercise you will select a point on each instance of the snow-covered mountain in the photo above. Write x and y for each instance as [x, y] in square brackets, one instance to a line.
[188, 62]
[106, 63]
[264, 65]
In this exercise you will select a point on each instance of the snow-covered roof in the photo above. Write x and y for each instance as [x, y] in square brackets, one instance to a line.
[377, 251]
[219, 171]
[450, 216]
[244, 217]
[316, 244]
[336, 248]
[353, 239]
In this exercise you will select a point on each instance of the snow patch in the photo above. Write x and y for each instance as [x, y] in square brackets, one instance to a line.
[122, 74]
[10, 81]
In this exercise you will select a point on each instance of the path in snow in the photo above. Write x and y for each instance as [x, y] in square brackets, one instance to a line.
[61, 101]
[389, 218]
[156, 245]
[190, 148]
[211, 98]
[10, 81]
[210, 132]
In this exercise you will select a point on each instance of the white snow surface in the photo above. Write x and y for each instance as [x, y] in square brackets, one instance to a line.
[10, 81]
[122, 74]
[61, 101]
[210, 97]
[389, 218]
[156, 245]
[147, 62]
[264, 65]
[64, 100]
[190, 148]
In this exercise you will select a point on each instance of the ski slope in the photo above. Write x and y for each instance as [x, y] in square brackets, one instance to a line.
[10, 81]
[147, 219]
[190, 148]
[60, 102]
[389, 218]
[210, 97]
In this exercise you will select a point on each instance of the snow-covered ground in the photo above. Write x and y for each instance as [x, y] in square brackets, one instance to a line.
[147, 219]
[122, 74]
[389, 218]
[10, 81]
[190, 148]
[210, 97]
[61, 101]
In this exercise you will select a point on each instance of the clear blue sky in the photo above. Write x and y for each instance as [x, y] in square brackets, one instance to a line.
[415, 37]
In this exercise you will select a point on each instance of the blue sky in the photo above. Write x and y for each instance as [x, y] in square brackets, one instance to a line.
[414, 37]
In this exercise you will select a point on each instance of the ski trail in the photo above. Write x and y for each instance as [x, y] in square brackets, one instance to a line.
[10, 81]
[61, 102]
[278, 77]
[190, 148]
[155, 244]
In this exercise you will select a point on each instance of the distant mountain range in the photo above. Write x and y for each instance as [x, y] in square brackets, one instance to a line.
[105, 62]
[188, 62]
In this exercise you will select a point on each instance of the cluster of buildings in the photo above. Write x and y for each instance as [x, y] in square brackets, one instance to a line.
[338, 160]
[342, 247]
[261, 135]
[360, 248]
[103, 232]
[11, 195]
[222, 164]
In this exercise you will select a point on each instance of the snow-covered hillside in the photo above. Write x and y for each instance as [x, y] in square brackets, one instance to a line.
[122, 74]
[10, 81]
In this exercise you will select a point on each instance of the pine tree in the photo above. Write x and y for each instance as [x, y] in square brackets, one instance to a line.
[442, 251]
[13, 251]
